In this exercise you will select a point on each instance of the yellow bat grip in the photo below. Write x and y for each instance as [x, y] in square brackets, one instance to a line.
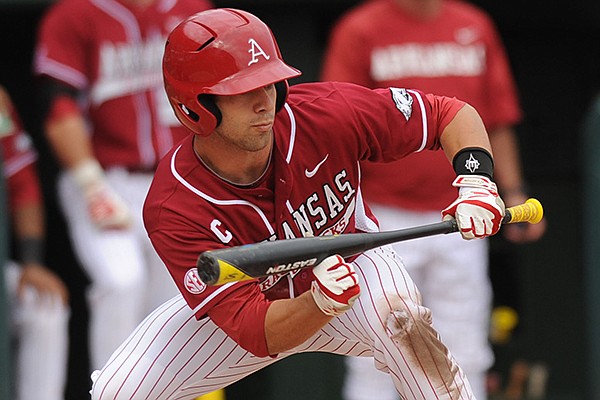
[531, 211]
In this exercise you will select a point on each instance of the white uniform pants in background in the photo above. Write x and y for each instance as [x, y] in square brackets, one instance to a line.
[128, 279]
[172, 356]
[40, 328]
[452, 275]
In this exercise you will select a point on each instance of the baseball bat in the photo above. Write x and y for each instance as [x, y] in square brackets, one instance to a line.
[216, 267]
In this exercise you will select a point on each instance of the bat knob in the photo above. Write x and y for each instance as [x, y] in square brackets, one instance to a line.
[208, 270]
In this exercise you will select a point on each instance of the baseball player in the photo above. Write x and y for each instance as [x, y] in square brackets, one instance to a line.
[264, 165]
[450, 48]
[108, 122]
[38, 298]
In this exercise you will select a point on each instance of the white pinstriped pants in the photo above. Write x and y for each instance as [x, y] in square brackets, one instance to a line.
[452, 276]
[172, 356]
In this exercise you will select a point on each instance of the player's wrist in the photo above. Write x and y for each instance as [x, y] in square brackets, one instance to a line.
[87, 173]
[518, 191]
[474, 161]
[326, 304]
[31, 250]
[468, 183]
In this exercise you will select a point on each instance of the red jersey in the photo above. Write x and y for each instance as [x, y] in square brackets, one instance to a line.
[19, 157]
[111, 51]
[311, 188]
[458, 53]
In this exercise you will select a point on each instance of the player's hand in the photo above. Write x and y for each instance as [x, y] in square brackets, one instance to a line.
[44, 281]
[335, 287]
[521, 232]
[478, 210]
[105, 207]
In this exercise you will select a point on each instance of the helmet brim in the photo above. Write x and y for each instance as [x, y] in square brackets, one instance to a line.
[250, 79]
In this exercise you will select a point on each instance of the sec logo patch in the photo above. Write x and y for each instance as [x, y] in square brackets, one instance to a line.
[193, 283]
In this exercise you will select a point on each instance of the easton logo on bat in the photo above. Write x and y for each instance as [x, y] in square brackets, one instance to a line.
[291, 266]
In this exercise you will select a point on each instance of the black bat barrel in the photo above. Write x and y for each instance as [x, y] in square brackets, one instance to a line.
[268, 258]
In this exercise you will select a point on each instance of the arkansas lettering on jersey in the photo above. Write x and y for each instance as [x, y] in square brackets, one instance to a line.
[117, 66]
[311, 188]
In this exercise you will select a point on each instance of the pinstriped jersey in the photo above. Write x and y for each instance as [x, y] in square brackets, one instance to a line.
[311, 188]
[111, 52]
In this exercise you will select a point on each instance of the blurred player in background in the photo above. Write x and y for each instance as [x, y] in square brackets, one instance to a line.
[4, 336]
[449, 48]
[260, 165]
[38, 298]
[108, 122]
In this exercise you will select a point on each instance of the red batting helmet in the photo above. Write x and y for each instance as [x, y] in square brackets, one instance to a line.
[220, 52]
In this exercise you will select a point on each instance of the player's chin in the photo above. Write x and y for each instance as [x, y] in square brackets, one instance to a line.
[257, 142]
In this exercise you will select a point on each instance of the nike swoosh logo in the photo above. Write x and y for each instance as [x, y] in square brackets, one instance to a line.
[311, 173]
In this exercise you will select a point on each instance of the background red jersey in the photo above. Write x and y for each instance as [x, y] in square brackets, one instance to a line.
[117, 66]
[470, 64]
[19, 158]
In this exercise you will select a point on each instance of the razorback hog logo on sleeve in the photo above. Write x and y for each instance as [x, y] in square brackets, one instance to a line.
[403, 101]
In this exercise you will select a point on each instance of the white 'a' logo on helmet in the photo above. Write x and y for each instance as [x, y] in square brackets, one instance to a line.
[256, 51]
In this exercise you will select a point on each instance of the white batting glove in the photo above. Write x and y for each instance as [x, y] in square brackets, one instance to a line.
[335, 287]
[478, 210]
[105, 207]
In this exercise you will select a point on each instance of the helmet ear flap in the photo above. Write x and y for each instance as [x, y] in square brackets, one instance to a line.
[281, 89]
[207, 101]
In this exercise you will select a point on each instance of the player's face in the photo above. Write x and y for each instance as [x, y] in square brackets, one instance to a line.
[247, 118]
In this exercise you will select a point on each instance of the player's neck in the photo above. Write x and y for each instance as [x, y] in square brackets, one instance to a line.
[240, 168]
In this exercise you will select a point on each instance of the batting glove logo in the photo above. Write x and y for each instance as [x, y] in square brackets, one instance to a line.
[193, 283]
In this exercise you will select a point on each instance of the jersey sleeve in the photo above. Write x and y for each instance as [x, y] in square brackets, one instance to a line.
[241, 314]
[389, 123]
[61, 49]
[24, 188]
[346, 57]
[19, 157]
[503, 107]
[238, 308]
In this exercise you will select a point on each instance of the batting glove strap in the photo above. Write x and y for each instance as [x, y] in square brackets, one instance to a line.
[335, 287]
[105, 207]
[478, 210]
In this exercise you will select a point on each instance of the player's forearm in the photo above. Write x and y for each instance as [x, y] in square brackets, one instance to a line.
[290, 322]
[28, 221]
[29, 228]
[465, 130]
[507, 165]
[69, 139]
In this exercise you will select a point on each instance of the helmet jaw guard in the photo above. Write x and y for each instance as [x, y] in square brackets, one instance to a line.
[220, 52]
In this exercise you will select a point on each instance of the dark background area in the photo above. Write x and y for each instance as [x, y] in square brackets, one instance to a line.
[554, 49]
